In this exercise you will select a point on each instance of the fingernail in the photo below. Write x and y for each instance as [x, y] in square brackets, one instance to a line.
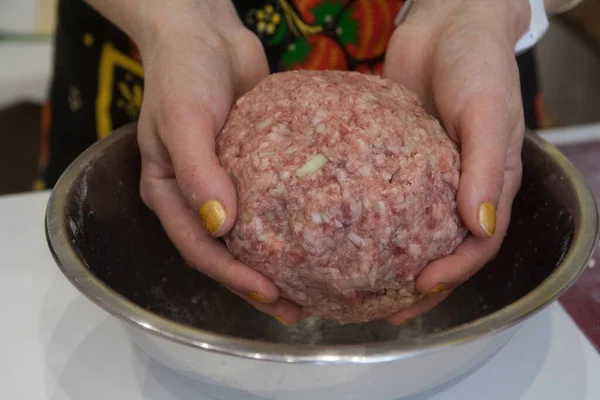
[487, 218]
[213, 215]
[258, 297]
[280, 320]
[439, 288]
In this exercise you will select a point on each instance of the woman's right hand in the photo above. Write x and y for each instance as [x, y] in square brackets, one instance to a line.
[198, 59]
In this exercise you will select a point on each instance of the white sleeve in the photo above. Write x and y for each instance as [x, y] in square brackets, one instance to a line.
[537, 27]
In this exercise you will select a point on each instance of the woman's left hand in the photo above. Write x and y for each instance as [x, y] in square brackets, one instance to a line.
[458, 56]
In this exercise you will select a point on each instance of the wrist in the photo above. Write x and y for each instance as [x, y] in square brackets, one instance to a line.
[508, 19]
[181, 21]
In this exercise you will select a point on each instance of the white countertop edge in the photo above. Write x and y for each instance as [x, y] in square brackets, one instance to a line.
[572, 134]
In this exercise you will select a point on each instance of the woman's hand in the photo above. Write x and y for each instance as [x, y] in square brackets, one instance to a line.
[198, 58]
[458, 56]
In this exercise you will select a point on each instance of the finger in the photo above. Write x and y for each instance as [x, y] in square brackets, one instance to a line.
[198, 247]
[283, 310]
[478, 96]
[451, 271]
[189, 123]
[189, 137]
[485, 130]
[420, 307]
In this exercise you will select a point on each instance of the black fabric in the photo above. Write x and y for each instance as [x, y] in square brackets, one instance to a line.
[81, 33]
[529, 88]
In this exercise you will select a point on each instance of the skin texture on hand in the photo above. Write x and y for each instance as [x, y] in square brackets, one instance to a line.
[459, 58]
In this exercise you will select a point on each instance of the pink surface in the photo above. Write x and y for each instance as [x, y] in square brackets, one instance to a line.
[582, 301]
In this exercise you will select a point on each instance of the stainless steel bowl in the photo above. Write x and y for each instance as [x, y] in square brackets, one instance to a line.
[112, 248]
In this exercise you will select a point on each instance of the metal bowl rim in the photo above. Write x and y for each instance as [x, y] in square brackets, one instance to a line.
[73, 267]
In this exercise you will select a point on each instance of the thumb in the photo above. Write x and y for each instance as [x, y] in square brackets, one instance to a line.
[201, 179]
[484, 131]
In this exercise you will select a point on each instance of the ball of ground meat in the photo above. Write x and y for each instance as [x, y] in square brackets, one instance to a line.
[346, 190]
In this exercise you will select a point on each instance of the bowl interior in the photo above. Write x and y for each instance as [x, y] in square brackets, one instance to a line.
[122, 243]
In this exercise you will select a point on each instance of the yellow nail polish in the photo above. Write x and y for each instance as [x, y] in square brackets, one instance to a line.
[280, 320]
[213, 215]
[439, 288]
[258, 297]
[487, 218]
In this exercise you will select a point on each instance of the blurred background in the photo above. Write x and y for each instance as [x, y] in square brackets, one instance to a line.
[568, 58]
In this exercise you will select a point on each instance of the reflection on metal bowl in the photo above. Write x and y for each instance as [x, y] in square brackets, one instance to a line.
[113, 249]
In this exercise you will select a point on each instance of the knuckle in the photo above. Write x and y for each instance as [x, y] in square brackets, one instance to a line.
[248, 59]
[172, 112]
[186, 180]
[495, 176]
[185, 113]
[251, 40]
[243, 38]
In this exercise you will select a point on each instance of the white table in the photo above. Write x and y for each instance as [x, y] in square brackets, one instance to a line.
[57, 345]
